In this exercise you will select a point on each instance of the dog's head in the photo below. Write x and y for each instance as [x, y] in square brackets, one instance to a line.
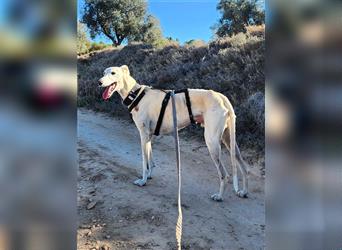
[113, 80]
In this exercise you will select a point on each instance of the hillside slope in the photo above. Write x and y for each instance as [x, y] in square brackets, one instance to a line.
[233, 66]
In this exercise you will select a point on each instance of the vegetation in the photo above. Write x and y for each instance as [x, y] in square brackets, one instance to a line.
[150, 32]
[83, 43]
[98, 46]
[233, 66]
[195, 43]
[236, 15]
[121, 19]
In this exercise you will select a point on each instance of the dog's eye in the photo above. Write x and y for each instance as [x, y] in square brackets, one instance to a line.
[113, 73]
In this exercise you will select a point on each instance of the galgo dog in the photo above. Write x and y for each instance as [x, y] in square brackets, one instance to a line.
[152, 114]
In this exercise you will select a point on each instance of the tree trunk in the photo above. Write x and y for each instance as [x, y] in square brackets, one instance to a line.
[120, 39]
[117, 42]
[112, 38]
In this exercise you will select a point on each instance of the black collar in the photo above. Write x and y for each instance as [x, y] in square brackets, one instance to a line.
[132, 99]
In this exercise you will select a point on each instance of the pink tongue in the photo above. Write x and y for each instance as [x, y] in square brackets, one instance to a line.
[106, 93]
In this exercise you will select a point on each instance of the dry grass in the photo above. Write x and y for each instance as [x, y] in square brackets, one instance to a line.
[233, 66]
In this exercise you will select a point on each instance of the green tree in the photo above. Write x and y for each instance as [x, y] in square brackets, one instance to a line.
[236, 15]
[150, 32]
[116, 19]
[83, 44]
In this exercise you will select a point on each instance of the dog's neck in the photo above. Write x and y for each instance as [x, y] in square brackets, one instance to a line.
[129, 85]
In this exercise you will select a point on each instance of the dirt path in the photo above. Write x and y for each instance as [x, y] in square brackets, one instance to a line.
[121, 215]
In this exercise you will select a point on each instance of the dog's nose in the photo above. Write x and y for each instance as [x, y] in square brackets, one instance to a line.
[100, 83]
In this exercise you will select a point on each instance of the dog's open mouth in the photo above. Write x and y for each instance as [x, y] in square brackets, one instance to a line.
[109, 91]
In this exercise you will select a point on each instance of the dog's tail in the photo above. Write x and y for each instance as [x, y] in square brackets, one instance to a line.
[231, 126]
[229, 134]
[231, 119]
[230, 130]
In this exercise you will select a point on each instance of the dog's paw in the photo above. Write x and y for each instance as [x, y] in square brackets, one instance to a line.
[242, 194]
[216, 197]
[140, 182]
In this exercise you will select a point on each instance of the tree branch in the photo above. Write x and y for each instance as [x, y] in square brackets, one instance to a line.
[107, 33]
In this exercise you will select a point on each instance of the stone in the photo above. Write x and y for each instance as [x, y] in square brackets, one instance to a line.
[91, 205]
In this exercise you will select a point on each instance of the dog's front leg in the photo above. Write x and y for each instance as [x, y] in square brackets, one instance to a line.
[144, 150]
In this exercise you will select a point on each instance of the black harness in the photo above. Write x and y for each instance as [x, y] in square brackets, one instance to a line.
[133, 98]
[164, 105]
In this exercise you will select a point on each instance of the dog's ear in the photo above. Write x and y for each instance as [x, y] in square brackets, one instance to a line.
[125, 69]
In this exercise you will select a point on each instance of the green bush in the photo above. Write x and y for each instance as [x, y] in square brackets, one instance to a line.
[98, 46]
[165, 42]
[83, 42]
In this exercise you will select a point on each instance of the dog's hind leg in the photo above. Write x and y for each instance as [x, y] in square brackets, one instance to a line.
[242, 167]
[145, 145]
[213, 140]
[244, 172]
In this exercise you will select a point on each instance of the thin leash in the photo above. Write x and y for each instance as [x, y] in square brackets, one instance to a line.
[180, 217]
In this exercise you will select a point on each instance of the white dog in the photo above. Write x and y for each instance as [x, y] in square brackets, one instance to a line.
[211, 109]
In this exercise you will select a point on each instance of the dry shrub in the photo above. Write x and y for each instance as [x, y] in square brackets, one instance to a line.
[162, 43]
[195, 43]
[233, 66]
[256, 30]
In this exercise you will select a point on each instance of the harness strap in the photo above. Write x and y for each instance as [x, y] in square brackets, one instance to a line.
[136, 101]
[133, 98]
[162, 112]
[164, 105]
[188, 103]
